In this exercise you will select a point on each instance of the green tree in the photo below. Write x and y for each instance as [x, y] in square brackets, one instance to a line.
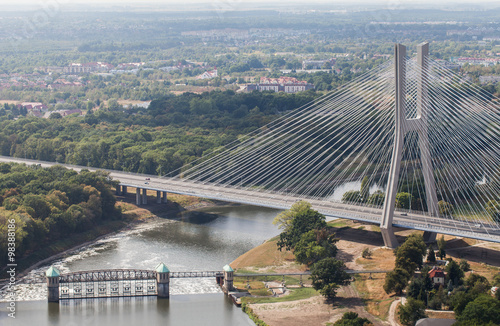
[493, 208]
[403, 200]
[409, 255]
[327, 275]
[315, 245]
[484, 310]
[477, 284]
[445, 208]
[454, 273]
[296, 221]
[365, 189]
[367, 253]
[441, 247]
[431, 256]
[352, 196]
[396, 281]
[352, 319]
[464, 265]
[459, 298]
[420, 286]
[411, 312]
[377, 198]
[496, 280]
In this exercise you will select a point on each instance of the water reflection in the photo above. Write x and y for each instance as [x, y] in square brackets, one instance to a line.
[203, 240]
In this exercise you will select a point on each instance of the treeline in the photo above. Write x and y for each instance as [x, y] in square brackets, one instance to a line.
[47, 204]
[469, 297]
[173, 131]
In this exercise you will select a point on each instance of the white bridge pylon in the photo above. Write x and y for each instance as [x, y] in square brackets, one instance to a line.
[404, 125]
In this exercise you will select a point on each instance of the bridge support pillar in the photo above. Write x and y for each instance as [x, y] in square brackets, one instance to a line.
[403, 125]
[118, 190]
[124, 190]
[389, 237]
[144, 196]
[158, 197]
[52, 275]
[162, 281]
[392, 182]
[165, 197]
[228, 279]
[138, 196]
[430, 237]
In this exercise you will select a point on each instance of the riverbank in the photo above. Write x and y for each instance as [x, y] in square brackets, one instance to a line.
[365, 295]
[132, 215]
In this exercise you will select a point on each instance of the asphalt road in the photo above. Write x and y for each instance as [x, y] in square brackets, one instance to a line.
[481, 231]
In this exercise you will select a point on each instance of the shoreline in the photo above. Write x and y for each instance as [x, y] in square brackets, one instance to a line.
[136, 220]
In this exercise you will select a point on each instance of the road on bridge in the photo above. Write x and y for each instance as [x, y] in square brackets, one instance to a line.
[480, 231]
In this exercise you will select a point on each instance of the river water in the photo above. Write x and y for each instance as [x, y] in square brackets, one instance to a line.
[194, 241]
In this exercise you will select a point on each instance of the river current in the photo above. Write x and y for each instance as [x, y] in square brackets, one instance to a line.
[203, 240]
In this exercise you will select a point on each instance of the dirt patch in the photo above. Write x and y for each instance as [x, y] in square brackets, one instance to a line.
[365, 296]
[266, 255]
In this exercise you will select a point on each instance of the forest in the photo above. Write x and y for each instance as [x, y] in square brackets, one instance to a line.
[48, 204]
[173, 131]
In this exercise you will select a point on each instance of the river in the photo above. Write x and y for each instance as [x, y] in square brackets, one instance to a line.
[193, 241]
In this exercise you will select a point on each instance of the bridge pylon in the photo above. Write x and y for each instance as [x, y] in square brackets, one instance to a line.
[419, 124]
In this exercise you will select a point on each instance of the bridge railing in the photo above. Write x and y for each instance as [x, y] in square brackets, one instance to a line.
[108, 275]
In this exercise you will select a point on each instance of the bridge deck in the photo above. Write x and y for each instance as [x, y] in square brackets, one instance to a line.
[480, 231]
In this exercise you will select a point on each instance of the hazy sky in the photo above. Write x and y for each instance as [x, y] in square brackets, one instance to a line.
[177, 2]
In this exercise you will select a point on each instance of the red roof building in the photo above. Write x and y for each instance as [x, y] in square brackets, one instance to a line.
[437, 276]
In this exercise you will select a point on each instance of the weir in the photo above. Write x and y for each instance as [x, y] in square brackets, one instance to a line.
[123, 282]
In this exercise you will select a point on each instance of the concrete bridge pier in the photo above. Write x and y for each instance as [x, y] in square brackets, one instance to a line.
[430, 237]
[228, 279]
[164, 197]
[52, 275]
[138, 196]
[162, 281]
[124, 190]
[158, 197]
[144, 196]
[118, 190]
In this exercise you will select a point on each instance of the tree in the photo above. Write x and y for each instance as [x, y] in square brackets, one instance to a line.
[484, 310]
[377, 198]
[419, 287]
[496, 280]
[352, 196]
[464, 265]
[460, 298]
[493, 208]
[477, 284]
[352, 319]
[315, 245]
[396, 281]
[445, 208]
[454, 273]
[441, 247]
[403, 200]
[327, 275]
[411, 312]
[367, 253]
[365, 189]
[409, 255]
[431, 256]
[55, 115]
[296, 221]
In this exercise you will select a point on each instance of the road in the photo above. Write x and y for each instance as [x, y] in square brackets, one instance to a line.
[483, 231]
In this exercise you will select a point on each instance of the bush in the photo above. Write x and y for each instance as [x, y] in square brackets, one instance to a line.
[411, 312]
[327, 275]
[367, 253]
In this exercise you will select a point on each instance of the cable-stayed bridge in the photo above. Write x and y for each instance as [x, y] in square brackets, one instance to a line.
[409, 144]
